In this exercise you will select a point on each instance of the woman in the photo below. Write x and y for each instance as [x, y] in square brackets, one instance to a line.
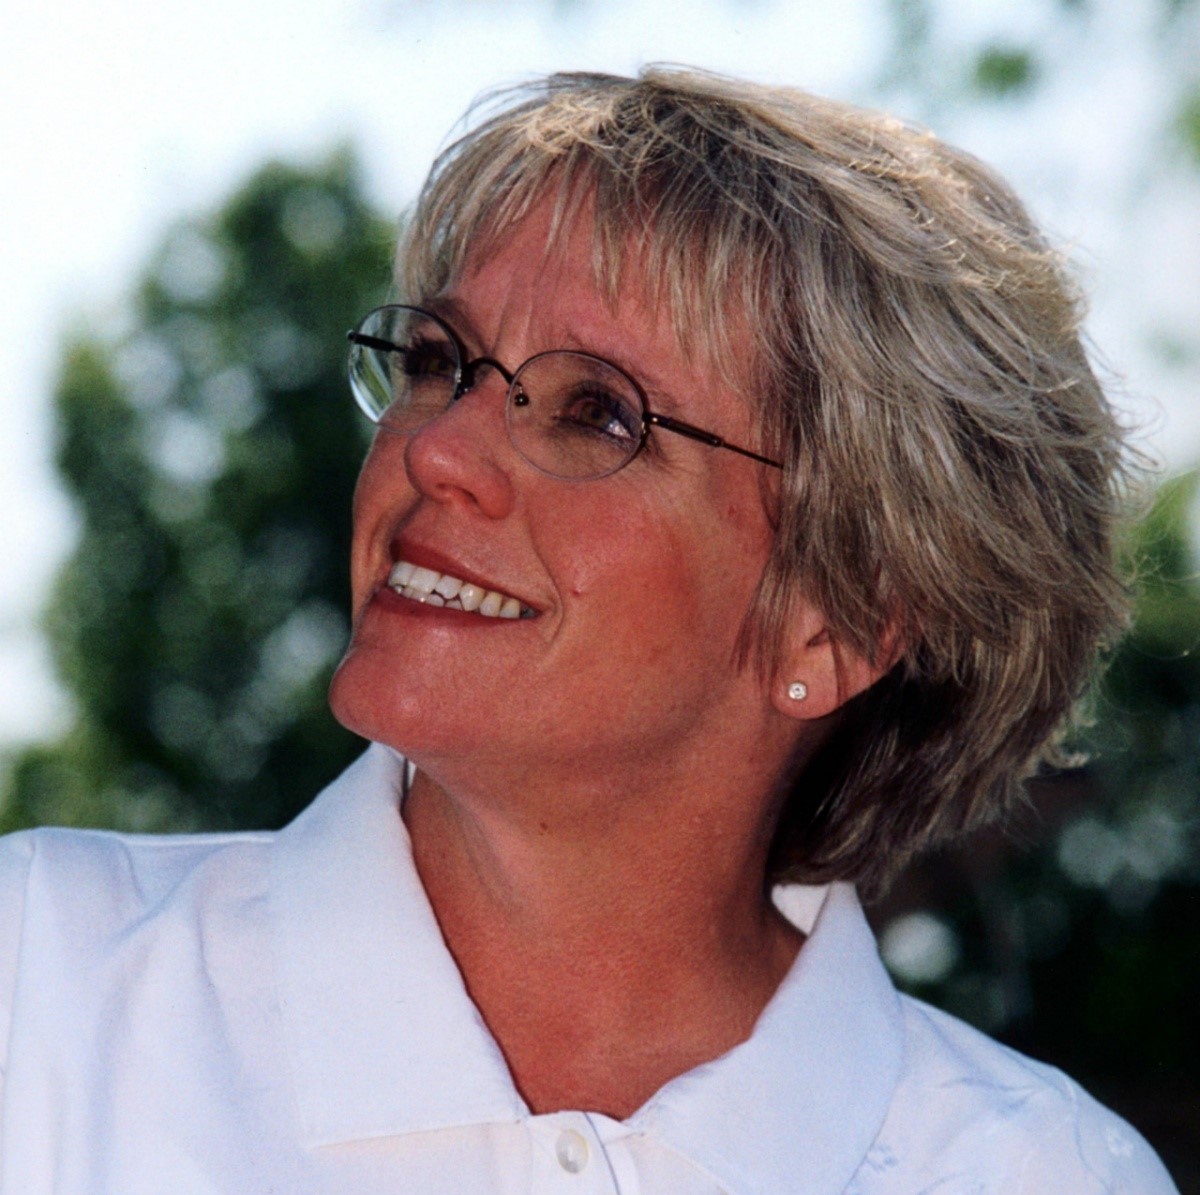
[741, 514]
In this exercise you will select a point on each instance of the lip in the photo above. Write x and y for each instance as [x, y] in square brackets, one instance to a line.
[427, 557]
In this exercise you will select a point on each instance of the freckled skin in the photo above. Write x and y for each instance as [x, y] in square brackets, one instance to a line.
[641, 579]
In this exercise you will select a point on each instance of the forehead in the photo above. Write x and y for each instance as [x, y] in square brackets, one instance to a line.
[518, 267]
[549, 280]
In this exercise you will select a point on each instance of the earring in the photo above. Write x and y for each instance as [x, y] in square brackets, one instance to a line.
[797, 690]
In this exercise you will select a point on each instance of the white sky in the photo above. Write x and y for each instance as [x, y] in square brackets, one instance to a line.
[117, 117]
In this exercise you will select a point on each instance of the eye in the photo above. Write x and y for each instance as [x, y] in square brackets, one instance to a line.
[428, 358]
[593, 409]
[424, 371]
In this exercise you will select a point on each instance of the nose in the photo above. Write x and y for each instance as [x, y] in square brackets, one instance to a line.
[463, 457]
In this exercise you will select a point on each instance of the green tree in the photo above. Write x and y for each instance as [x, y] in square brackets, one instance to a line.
[211, 454]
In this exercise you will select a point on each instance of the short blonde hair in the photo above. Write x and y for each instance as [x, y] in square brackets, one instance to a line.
[953, 473]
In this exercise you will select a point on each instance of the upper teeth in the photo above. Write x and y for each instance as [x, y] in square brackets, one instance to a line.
[441, 589]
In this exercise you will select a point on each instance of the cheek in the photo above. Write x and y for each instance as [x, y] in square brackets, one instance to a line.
[610, 549]
[381, 491]
[662, 573]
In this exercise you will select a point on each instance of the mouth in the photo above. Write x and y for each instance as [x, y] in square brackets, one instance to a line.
[431, 588]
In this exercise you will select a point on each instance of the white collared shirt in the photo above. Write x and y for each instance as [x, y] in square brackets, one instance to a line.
[277, 1012]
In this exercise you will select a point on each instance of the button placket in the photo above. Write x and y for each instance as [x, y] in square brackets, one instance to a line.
[571, 1149]
[569, 1156]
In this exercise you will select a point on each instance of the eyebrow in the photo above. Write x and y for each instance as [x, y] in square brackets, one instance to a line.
[658, 400]
[453, 313]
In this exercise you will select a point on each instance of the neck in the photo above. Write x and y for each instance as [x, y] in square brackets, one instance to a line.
[611, 936]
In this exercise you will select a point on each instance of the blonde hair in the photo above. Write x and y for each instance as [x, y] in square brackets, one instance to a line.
[953, 473]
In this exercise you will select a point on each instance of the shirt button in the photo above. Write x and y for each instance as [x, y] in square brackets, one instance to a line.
[572, 1151]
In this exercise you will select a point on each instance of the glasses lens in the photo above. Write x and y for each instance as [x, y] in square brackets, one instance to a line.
[404, 367]
[575, 416]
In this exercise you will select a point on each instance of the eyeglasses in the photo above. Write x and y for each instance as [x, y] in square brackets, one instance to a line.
[569, 414]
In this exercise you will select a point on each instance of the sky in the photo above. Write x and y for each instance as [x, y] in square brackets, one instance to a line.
[118, 118]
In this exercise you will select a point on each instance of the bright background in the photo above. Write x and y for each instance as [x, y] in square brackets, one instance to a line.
[199, 298]
[116, 118]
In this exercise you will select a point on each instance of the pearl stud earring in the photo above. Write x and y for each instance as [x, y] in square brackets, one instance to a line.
[797, 690]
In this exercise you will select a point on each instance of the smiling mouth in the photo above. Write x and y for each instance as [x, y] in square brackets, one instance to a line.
[432, 588]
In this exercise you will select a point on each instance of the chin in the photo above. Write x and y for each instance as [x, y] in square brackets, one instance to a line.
[363, 698]
[374, 699]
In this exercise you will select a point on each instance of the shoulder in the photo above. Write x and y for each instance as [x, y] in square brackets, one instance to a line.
[981, 1117]
[72, 894]
[16, 854]
[109, 875]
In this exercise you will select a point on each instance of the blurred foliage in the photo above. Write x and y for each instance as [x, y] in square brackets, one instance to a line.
[1001, 70]
[1072, 935]
[929, 71]
[1189, 125]
[211, 454]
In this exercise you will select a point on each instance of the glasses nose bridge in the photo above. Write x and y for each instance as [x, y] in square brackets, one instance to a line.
[469, 374]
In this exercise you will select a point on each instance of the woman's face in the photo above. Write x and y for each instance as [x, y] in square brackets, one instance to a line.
[639, 581]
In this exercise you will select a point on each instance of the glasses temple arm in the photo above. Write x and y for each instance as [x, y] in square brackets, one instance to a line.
[710, 438]
[371, 342]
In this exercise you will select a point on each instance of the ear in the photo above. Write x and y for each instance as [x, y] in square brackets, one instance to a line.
[818, 673]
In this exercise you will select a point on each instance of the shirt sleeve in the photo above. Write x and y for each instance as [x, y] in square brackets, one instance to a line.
[1114, 1152]
[973, 1115]
[16, 853]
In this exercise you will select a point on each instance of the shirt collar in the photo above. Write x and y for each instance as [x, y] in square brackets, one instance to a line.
[385, 1040]
[381, 1032]
[803, 1099]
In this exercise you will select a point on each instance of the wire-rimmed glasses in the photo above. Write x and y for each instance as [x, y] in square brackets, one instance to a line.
[570, 414]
